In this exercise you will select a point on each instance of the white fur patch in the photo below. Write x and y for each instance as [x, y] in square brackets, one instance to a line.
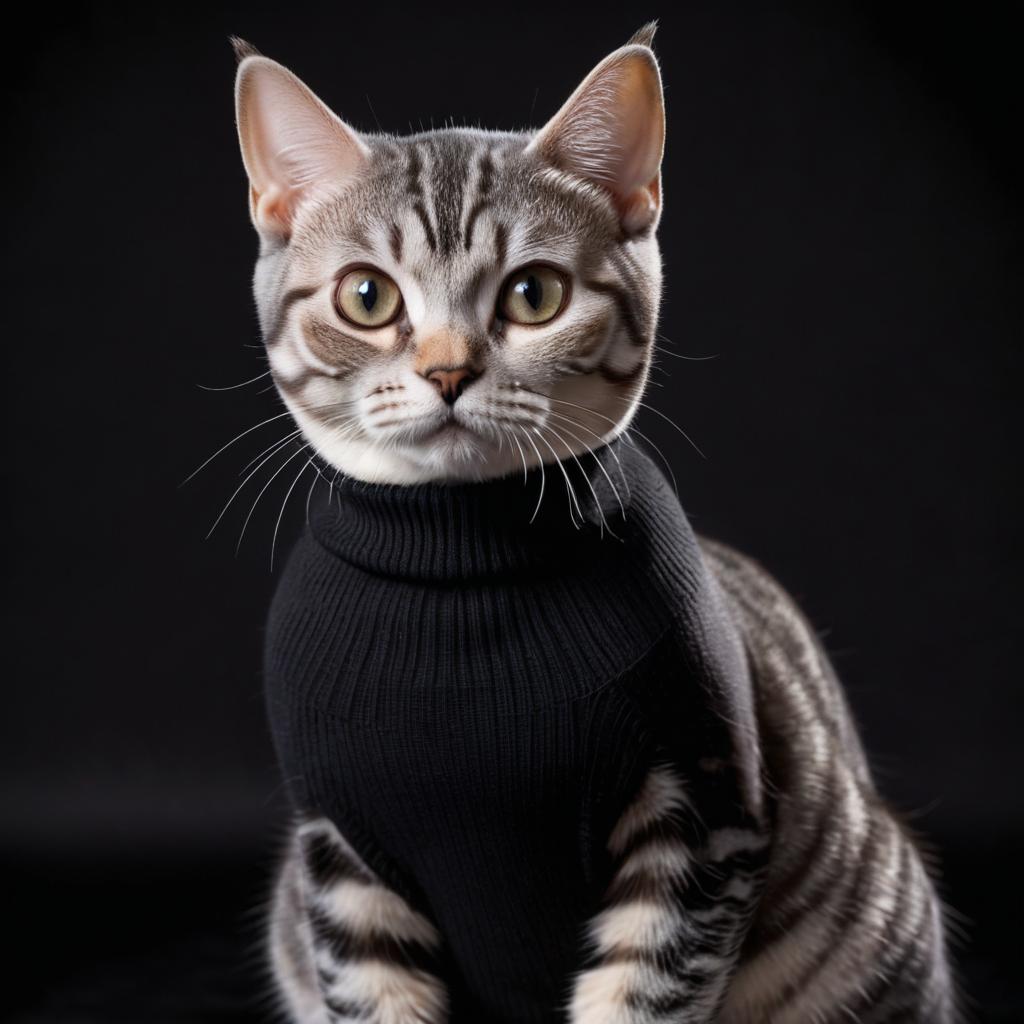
[368, 908]
[638, 925]
[398, 995]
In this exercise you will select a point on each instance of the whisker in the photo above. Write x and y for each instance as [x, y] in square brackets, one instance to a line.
[562, 401]
[522, 454]
[540, 461]
[295, 433]
[238, 490]
[661, 455]
[232, 387]
[277, 444]
[317, 477]
[594, 412]
[273, 477]
[625, 435]
[599, 464]
[280, 515]
[679, 355]
[671, 422]
[569, 489]
[622, 473]
[199, 469]
[263, 423]
[597, 503]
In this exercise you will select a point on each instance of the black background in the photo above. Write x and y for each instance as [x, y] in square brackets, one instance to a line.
[841, 233]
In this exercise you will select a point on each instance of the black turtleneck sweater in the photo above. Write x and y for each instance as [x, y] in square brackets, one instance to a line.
[474, 699]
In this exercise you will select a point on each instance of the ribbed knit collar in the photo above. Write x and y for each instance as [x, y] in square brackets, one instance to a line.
[462, 531]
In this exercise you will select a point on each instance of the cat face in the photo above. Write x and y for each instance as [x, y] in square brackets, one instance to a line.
[457, 304]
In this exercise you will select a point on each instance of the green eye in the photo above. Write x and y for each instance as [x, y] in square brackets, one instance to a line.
[367, 298]
[533, 295]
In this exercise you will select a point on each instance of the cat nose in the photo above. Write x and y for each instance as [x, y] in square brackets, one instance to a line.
[450, 383]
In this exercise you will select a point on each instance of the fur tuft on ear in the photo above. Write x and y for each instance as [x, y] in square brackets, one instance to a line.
[242, 48]
[644, 36]
[293, 145]
[611, 132]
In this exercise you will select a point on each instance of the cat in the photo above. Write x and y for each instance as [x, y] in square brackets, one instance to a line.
[446, 314]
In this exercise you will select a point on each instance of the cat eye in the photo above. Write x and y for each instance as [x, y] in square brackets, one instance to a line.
[367, 298]
[534, 295]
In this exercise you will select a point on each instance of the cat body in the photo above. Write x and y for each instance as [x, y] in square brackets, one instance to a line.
[553, 757]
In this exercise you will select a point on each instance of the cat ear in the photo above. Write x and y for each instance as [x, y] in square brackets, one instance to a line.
[292, 143]
[611, 131]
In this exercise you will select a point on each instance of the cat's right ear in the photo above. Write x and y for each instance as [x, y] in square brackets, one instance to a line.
[293, 145]
[611, 132]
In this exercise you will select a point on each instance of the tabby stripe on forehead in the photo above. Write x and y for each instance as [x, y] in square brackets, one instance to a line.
[500, 244]
[414, 187]
[412, 173]
[395, 242]
[483, 189]
[447, 195]
[420, 210]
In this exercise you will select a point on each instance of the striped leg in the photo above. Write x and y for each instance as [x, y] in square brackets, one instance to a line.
[344, 947]
[680, 901]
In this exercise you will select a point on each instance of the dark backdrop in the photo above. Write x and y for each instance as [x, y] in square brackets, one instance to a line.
[841, 233]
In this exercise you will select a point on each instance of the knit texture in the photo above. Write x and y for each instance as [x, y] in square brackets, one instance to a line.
[474, 698]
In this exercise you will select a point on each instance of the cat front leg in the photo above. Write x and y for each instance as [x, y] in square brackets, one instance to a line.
[346, 948]
[666, 941]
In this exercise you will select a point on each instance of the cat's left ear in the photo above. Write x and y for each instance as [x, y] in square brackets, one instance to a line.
[611, 131]
[293, 144]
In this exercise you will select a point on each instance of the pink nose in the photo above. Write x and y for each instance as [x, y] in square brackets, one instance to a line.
[451, 383]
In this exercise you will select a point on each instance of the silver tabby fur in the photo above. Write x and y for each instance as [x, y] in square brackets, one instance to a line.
[827, 915]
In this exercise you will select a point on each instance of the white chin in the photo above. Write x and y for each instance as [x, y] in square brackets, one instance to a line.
[454, 451]
[453, 455]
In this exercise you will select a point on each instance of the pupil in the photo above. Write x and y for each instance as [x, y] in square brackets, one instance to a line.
[531, 291]
[368, 293]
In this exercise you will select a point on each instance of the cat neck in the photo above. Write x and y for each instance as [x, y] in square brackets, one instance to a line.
[522, 523]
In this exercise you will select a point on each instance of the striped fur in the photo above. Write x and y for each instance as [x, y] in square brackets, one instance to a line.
[676, 912]
[821, 913]
[449, 215]
[825, 915]
[849, 927]
[343, 946]
[449, 240]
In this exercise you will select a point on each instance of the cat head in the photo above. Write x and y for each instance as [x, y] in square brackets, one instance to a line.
[457, 304]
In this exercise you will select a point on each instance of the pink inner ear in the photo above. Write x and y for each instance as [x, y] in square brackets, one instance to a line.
[611, 131]
[640, 209]
[272, 209]
[292, 143]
